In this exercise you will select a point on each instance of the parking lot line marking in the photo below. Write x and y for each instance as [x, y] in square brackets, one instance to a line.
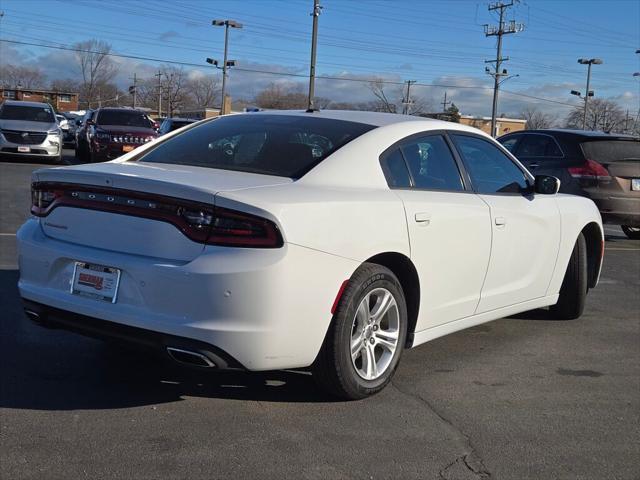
[7, 234]
[623, 249]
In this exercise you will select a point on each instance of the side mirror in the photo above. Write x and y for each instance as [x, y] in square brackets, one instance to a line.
[547, 185]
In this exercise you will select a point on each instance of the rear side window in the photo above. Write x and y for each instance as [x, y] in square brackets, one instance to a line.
[395, 170]
[510, 143]
[539, 146]
[431, 164]
[282, 145]
[491, 171]
[611, 150]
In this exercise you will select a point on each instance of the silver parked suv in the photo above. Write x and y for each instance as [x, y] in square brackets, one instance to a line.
[29, 129]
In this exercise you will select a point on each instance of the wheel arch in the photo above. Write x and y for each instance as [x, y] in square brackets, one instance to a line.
[594, 239]
[403, 268]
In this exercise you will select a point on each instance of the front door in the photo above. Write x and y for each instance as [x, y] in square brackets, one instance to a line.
[525, 226]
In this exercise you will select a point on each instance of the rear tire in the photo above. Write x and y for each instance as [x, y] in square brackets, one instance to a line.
[631, 232]
[573, 293]
[359, 356]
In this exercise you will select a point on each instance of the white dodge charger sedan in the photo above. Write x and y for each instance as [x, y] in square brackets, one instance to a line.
[288, 239]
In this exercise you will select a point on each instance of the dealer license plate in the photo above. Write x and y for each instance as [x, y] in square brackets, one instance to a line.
[635, 184]
[95, 281]
[24, 149]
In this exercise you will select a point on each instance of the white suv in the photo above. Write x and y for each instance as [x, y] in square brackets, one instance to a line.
[30, 129]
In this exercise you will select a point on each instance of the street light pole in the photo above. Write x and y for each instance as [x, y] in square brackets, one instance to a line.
[226, 24]
[314, 41]
[588, 62]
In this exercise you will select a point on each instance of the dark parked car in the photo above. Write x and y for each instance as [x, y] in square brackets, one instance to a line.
[171, 124]
[112, 132]
[603, 167]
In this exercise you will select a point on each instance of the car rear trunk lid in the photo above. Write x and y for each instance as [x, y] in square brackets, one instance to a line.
[122, 201]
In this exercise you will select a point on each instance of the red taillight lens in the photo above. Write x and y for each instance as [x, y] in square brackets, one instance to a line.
[41, 199]
[590, 170]
[238, 229]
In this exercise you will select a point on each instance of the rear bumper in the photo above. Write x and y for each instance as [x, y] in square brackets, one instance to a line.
[268, 309]
[619, 210]
[92, 327]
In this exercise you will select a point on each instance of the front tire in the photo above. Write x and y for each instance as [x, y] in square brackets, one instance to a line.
[631, 232]
[573, 293]
[367, 335]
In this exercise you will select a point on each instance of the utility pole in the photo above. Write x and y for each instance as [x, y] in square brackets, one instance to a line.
[406, 102]
[159, 75]
[445, 103]
[133, 89]
[314, 41]
[502, 29]
[225, 63]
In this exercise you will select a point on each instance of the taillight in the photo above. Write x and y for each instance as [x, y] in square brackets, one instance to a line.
[42, 198]
[590, 170]
[238, 229]
[202, 223]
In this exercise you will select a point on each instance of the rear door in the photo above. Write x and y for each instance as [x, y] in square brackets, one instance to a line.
[525, 227]
[542, 154]
[448, 225]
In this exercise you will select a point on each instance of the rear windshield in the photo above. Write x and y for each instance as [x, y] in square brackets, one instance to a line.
[611, 150]
[124, 118]
[30, 114]
[282, 145]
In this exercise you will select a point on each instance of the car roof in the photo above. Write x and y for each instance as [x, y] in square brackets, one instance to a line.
[181, 119]
[578, 133]
[21, 103]
[377, 119]
[121, 109]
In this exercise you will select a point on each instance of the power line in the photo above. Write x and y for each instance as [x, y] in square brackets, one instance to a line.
[287, 74]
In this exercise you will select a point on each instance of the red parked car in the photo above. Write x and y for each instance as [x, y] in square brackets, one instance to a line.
[111, 132]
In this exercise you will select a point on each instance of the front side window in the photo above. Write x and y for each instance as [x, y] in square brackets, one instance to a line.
[535, 145]
[30, 114]
[281, 145]
[491, 171]
[123, 118]
[431, 164]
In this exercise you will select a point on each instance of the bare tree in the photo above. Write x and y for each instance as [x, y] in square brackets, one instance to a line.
[13, 76]
[602, 114]
[383, 104]
[537, 119]
[203, 91]
[96, 67]
[281, 97]
[173, 86]
[65, 85]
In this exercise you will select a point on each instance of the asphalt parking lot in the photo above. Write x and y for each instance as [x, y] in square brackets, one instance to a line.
[517, 398]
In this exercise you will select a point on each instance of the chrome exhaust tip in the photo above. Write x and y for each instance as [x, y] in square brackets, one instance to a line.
[190, 358]
[35, 316]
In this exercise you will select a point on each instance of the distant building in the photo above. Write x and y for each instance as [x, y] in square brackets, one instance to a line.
[61, 101]
[503, 125]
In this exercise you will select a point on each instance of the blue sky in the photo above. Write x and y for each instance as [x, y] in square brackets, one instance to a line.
[432, 42]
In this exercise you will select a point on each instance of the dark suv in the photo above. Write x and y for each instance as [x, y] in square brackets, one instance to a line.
[111, 132]
[603, 167]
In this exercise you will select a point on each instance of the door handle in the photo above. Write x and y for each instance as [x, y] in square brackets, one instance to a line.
[423, 218]
[500, 221]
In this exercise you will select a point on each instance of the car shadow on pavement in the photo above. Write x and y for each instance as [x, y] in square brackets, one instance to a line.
[47, 369]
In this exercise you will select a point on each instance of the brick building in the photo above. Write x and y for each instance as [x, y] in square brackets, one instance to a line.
[61, 101]
[503, 124]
